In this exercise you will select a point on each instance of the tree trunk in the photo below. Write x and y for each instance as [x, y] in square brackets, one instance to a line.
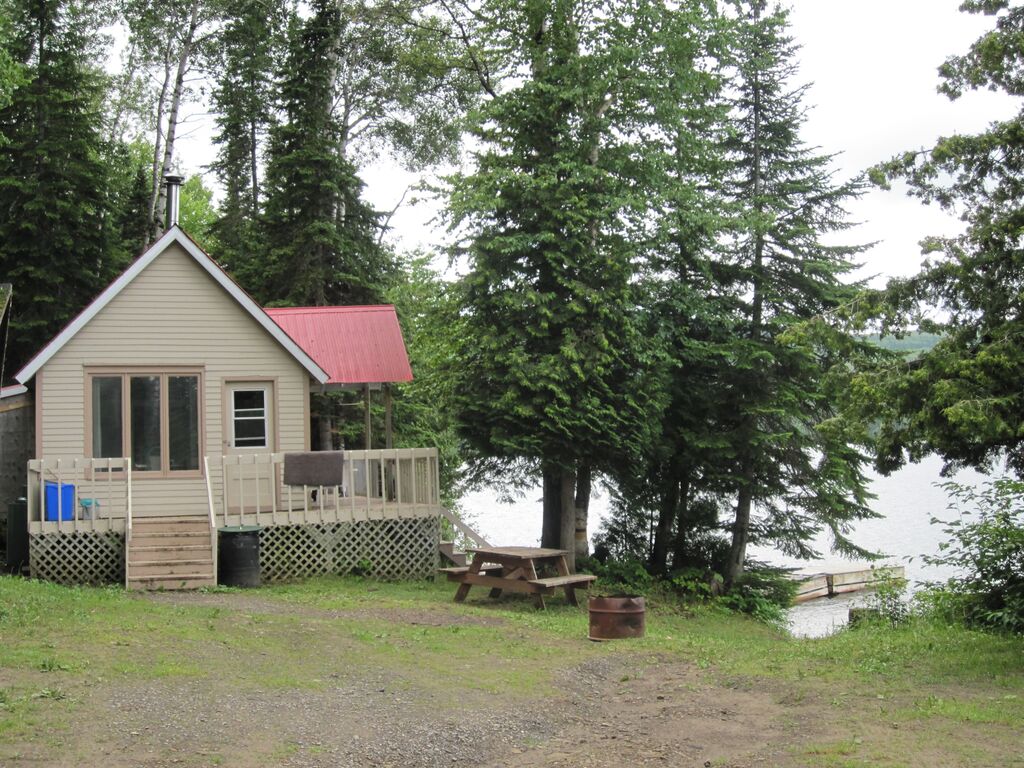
[668, 501]
[567, 539]
[184, 58]
[740, 528]
[683, 522]
[551, 527]
[582, 506]
[326, 442]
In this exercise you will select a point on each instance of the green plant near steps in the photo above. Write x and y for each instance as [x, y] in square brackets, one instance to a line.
[986, 547]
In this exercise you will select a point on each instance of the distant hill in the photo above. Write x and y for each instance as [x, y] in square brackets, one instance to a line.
[910, 345]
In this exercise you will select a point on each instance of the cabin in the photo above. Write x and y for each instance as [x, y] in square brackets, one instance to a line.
[175, 406]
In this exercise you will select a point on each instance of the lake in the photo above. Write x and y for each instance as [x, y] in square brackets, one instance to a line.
[907, 499]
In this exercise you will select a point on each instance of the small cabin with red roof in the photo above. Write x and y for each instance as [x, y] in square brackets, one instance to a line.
[174, 406]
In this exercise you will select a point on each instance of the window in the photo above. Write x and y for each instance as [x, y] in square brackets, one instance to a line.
[151, 417]
[249, 418]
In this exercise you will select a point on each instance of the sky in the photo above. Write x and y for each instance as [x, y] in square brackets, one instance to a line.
[872, 66]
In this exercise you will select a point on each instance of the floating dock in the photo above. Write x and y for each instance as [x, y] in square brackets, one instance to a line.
[813, 586]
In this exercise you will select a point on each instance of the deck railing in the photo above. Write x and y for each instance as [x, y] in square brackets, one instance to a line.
[68, 495]
[377, 484]
[79, 494]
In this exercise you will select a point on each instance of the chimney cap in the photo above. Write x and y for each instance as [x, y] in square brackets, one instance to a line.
[173, 178]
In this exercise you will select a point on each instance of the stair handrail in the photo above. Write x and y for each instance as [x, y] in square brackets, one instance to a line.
[213, 521]
[127, 518]
[464, 529]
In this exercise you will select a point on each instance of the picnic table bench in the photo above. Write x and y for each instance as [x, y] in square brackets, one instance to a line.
[515, 569]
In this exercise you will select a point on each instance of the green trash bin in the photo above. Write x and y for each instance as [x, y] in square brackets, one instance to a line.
[16, 558]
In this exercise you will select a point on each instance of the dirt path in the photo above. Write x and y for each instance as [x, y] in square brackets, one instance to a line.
[618, 710]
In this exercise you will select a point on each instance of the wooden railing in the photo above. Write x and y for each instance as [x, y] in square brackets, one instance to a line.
[79, 494]
[377, 484]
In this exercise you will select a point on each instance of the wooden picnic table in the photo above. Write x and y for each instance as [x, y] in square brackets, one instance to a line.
[515, 569]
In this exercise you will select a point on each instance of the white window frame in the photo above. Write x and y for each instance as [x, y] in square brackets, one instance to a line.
[265, 391]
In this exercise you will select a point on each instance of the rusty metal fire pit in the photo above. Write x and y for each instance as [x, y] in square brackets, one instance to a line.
[616, 617]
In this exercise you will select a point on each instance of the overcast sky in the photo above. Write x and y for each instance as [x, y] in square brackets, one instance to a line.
[872, 65]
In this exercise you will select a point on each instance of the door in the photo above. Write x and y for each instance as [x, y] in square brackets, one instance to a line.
[249, 441]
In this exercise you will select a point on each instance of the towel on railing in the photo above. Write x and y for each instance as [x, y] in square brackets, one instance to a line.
[314, 468]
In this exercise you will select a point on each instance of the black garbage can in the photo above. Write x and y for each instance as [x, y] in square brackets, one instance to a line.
[238, 556]
[16, 559]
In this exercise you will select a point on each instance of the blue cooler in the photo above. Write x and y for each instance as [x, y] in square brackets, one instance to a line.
[67, 501]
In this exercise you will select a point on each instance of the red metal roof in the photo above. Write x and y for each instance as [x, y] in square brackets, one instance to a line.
[355, 345]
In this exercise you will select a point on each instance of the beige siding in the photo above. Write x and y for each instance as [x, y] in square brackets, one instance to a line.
[172, 314]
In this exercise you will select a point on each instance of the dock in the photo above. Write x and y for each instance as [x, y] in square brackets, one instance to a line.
[813, 586]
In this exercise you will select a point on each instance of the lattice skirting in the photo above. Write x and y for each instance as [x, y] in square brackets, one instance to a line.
[384, 549]
[85, 557]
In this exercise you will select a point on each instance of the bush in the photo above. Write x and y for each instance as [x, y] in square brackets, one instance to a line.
[764, 592]
[987, 550]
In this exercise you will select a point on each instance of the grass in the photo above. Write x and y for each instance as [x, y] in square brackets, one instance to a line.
[920, 687]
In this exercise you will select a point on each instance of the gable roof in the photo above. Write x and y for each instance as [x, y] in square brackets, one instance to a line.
[356, 345]
[243, 299]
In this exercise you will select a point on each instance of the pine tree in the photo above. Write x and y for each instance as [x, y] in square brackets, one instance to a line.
[58, 244]
[553, 369]
[322, 238]
[795, 469]
[250, 53]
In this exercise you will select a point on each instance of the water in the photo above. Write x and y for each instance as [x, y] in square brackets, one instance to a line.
[907, 499]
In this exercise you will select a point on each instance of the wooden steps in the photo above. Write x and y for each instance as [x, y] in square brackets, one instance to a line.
[170, 553]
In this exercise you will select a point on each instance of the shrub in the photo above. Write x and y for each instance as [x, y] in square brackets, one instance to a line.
[764, 592]
[987, 551]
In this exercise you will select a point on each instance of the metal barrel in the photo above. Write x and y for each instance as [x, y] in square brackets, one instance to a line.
[238, 556]
[618, 617]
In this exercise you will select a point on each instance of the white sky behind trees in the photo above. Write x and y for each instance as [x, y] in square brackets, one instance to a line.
[872, 66]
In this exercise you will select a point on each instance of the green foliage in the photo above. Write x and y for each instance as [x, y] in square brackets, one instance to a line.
[404, 85]
[889, 599]
[196, 213]
[961, 399]
[556, 215]
[986, 547]
[764, 592]
[428, 313]
[59, 239]
[796, 466]
[249, 53]
[321, 240]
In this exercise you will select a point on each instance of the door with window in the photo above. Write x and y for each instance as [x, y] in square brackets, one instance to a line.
[249, 439]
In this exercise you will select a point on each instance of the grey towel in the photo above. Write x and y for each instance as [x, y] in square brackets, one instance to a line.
[314, 468]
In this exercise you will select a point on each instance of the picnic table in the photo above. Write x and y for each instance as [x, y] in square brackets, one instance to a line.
[515, 569]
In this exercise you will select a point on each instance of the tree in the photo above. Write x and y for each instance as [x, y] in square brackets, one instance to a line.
[250, 53]
[423, 415]
[10, 71]
[401, 85]
[168, 39]
[962, 399]
[58, 242]
[796, 467]
[322, 239]
[556, 216]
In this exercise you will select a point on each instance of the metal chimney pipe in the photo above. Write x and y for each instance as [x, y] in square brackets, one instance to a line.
[173, 200]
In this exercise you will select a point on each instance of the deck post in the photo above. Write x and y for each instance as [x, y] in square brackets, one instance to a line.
[367, 427]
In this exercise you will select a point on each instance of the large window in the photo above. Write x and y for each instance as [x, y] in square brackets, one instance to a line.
[151, 417]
